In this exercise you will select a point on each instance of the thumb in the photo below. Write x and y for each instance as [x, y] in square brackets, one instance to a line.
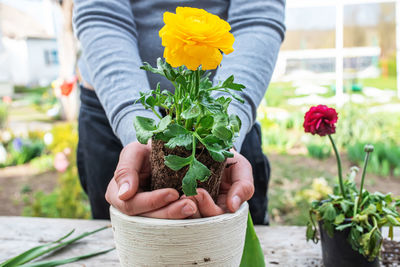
[130, 163]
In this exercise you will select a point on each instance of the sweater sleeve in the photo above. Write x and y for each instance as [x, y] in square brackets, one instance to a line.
[108, 35]
[258, 27]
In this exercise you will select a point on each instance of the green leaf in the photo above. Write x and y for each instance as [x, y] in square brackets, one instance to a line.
[343, 226]
[176, 163]
[310, 232]
[175, 130]
[228, 154]
[236, 86]
[144, 128]
[224, 101]
[181, 80]
[38, 251]
[339, 219]
[253, 255]
[235, 123]
[328, 226]
[151, 101]
[392, 220]
[229, 80]
[222, 132]
[146, 66]
[163, 68]
[370, 210]
[228, 83]
[329, 212]
[216, 152]
[205, 123]
[197, 172]
[192, 112]
[163, 124]
[162, 137]
[64, 261]
[237, 97]
[211, 139]
[31, 253]
[180, 140]
[344, 206]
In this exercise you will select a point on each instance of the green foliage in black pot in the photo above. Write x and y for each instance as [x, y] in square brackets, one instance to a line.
[360, 211]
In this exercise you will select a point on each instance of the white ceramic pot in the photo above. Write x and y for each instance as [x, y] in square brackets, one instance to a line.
[213, 241]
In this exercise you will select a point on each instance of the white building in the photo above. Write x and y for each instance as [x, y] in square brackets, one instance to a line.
[28, 50]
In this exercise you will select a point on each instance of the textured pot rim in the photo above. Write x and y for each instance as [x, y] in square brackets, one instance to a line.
[201, 221]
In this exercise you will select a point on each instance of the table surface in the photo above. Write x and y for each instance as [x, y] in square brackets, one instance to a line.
[282, 245]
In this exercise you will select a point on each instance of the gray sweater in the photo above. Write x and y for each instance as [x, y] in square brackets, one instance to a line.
[118, 35]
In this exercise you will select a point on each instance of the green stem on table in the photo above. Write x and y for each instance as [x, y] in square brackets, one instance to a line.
[363, 174]
[339, 163]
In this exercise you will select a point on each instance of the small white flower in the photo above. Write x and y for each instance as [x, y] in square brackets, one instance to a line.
[48, 138]
[6, 136]
[3, 154]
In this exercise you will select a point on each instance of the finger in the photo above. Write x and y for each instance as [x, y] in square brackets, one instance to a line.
[131, 161]
[197, 215]
[206, 204]
[242, 188]
[180, 209]
[141, 202]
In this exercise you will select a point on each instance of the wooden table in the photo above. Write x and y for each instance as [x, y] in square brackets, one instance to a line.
[282, 245]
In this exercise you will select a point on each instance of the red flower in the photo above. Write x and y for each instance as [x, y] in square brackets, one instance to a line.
[320, 120]
[66, 88]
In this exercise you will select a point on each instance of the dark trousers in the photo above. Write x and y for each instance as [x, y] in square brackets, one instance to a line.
[99, 149]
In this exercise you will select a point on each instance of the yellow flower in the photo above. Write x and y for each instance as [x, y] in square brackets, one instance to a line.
[194, 37]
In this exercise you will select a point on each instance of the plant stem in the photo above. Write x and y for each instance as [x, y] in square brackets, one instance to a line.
[177, 107]
[194, 147]
[197, 82]
[355, 207]
[154, 111]
[339, 164]
[363, 174]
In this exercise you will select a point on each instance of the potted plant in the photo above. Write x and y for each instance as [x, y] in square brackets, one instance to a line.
[350, 220]
[190, 145]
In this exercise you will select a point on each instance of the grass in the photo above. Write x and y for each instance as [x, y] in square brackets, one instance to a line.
[278, 93]
[290, 174]
[381, 83]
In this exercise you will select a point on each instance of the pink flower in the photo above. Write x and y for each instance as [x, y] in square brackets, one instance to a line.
[61, 162]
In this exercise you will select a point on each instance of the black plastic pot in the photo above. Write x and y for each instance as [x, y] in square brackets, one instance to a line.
[337, 252]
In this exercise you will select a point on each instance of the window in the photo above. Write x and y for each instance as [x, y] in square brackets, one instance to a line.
[51, 57]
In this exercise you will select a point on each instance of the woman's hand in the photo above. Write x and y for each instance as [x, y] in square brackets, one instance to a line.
[236, 187]
[126, 189]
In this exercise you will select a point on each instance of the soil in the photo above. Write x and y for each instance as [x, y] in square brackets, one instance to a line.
[15, 181]
[163, 177]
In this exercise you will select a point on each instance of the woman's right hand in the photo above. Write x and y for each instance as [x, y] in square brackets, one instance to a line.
[125, 190]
